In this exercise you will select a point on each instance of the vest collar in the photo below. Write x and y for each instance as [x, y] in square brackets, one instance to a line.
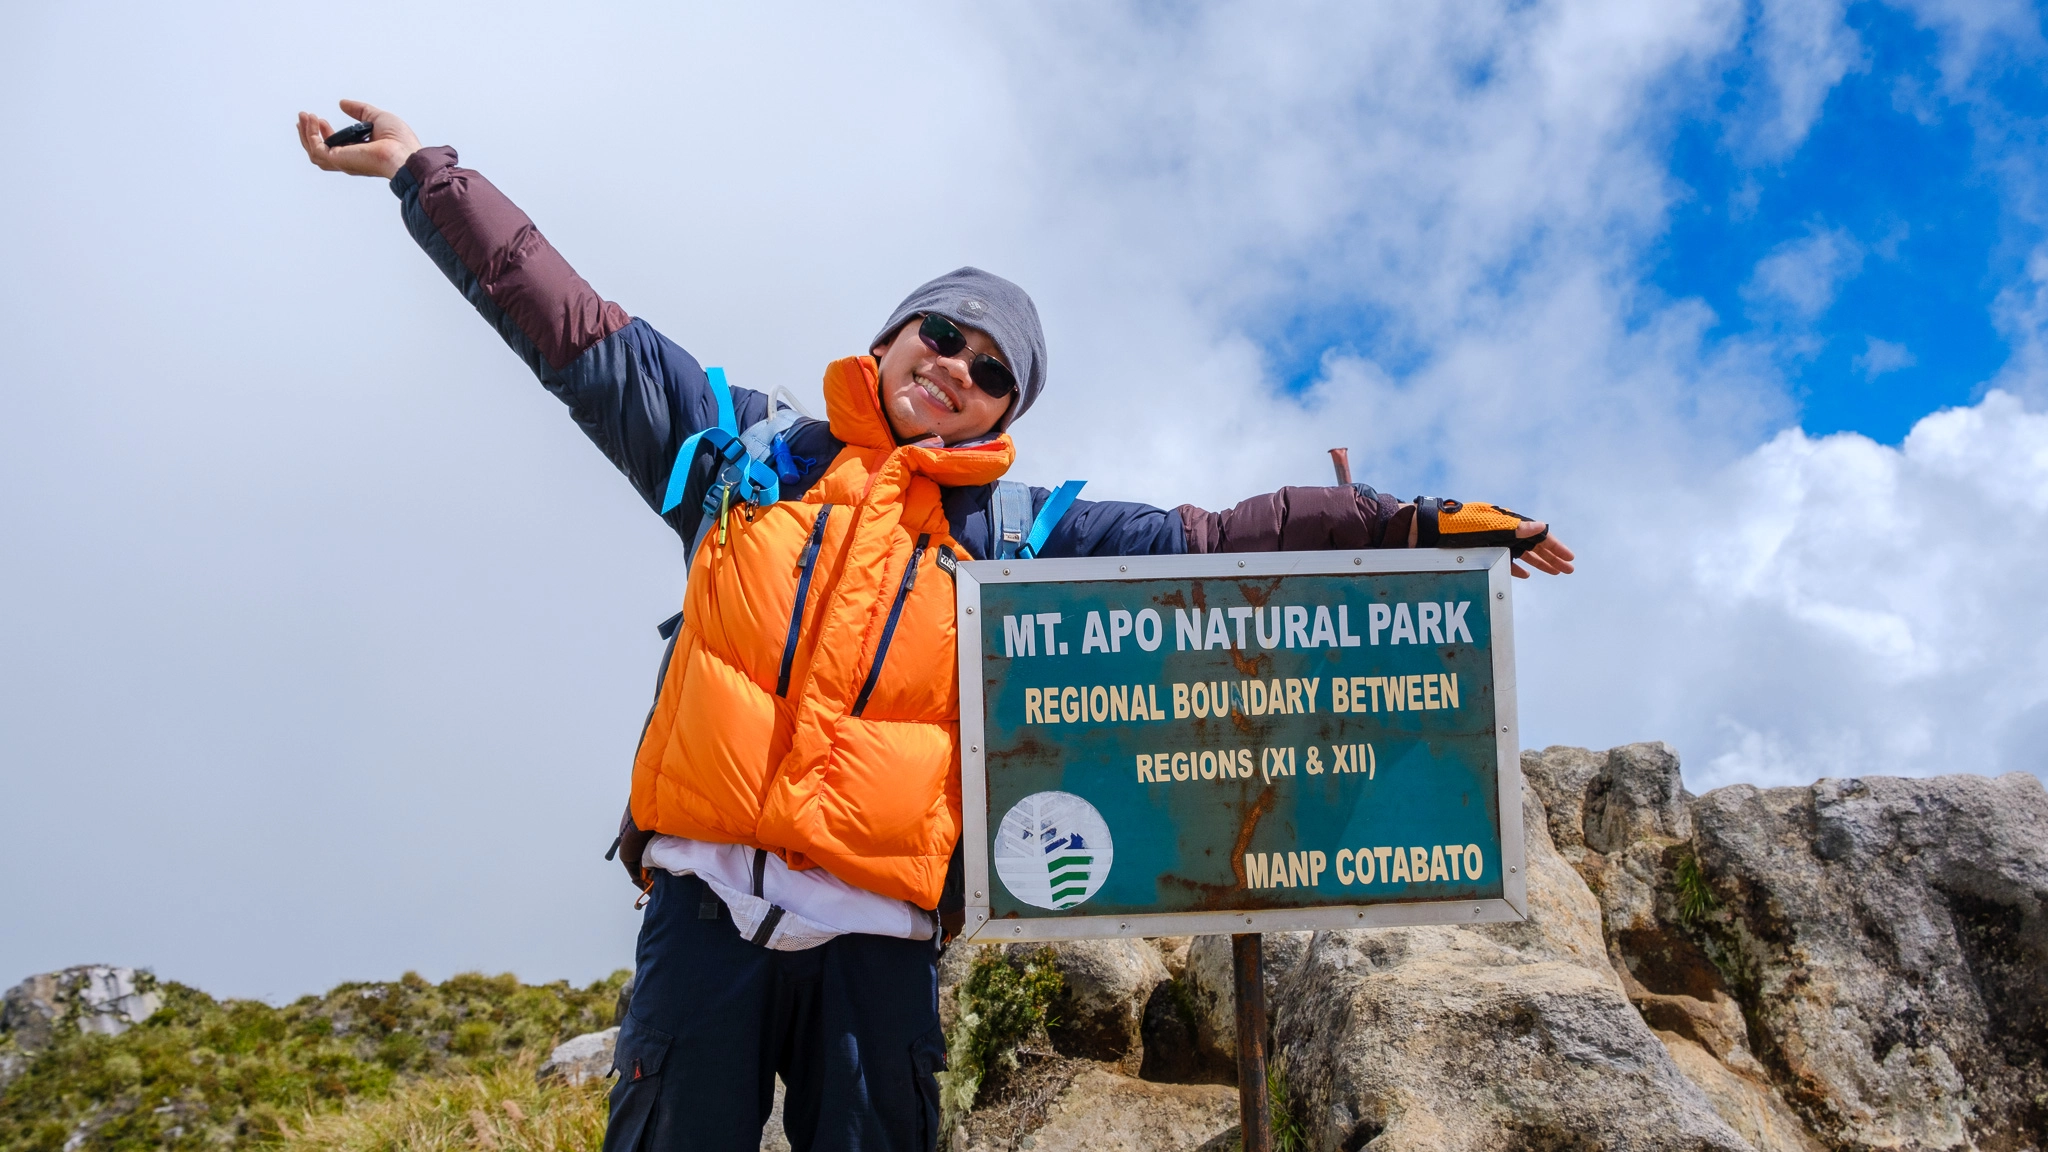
[853, 402]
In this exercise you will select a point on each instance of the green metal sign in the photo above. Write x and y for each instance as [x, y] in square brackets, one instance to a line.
[1168, 745]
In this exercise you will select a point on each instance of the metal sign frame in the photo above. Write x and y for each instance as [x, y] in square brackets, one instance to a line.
[1513, 904]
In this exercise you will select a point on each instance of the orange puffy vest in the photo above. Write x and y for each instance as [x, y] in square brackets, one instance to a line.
[810, 705]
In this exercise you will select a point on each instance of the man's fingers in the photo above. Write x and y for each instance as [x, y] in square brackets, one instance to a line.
[312, 137]
[1551, 556]
[1558, 553]
[358, 110]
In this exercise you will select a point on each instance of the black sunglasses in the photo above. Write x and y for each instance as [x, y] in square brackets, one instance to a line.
[988, 373]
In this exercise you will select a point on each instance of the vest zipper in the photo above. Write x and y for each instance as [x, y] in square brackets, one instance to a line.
[803, 592]
[889, 630]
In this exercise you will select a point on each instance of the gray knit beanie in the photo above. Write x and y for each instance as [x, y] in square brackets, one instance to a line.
[972, 298]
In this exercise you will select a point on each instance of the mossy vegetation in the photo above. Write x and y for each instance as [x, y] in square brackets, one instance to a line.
[204, 1073]
[1003, 1003]
[1723, 934]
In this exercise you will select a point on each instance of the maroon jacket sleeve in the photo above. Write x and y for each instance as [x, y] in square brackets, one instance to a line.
[638, 395]
[506, 268]
[1298, 519]
[1353, 516]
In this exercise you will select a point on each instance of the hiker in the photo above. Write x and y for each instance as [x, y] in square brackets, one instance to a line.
[795, 806]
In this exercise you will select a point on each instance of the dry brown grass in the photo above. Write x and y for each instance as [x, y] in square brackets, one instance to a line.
[501, 1110]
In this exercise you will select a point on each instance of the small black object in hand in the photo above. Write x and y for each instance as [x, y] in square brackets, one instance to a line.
[356, 133]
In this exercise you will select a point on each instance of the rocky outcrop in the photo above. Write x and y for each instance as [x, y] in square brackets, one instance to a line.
[95, 999]
[1857, 964]
[1100, 1014]
[1623, 820]
[1889, 939]
[1476, 1037]
[1211, 991]
[1065, 1105]
[1111, 1113]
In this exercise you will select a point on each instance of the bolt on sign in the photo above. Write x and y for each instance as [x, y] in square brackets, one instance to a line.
[1192, 744]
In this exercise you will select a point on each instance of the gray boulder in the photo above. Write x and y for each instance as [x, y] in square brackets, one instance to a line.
[580, 1059]
[95, 999]
[1173, 951]
[1488, 1037]
[1889, 940]
[1210, 978]
[1623, 820]
[1104, 1112]
[1100, 1014]
[1082, 1106]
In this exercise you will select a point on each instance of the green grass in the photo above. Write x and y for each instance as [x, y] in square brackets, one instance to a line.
[204, 1073]
[1695, 898]
[1288, 1135]
[501, 1110]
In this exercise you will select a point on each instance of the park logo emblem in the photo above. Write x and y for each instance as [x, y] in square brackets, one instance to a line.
[1053, 850]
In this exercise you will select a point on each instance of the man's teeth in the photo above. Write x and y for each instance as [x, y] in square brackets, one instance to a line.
[936, 393]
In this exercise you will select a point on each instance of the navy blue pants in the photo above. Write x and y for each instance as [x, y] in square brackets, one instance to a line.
[851, 1026]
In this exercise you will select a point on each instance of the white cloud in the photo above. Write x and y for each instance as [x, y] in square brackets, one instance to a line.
[1882, 356]
[1800, 276]
[1974, 33]
[1865, 609]
[2021, 312]
[1805, 48]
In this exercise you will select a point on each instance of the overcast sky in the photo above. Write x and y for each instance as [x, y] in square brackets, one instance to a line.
[325, 637]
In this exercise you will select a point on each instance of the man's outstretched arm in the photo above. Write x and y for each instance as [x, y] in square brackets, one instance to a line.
[635, 393]
[1287, 520]
[1356, 516]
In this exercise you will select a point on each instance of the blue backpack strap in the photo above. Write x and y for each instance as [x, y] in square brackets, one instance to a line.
[1017, 535]
[740, 473]
[679, 473]
[1049, 517]
[1009, 513]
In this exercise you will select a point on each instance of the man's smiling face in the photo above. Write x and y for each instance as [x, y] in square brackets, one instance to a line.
[925, 394]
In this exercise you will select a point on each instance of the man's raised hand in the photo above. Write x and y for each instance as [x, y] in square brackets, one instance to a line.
[391, 142]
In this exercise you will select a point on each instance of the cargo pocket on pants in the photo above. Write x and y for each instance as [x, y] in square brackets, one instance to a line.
[927, 1059]
[636, 1098]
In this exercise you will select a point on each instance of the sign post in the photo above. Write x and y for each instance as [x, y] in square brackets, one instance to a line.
[1236, 744]
[1254, 1103]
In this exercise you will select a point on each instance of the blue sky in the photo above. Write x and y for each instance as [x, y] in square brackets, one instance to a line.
[1910, 179]
[326, 630]
[1919, 190]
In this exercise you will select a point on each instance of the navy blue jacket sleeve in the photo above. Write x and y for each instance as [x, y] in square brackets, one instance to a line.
[1090, 527]
[634, 392]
